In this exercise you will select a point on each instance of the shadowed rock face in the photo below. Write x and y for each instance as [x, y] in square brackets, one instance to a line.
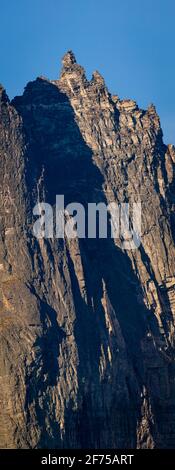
[87, 329]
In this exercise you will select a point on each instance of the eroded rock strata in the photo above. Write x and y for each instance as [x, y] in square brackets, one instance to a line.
[87, 328]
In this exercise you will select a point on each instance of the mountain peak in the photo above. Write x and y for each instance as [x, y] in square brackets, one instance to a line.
[90, 320]
[68, 59]
[98, 78]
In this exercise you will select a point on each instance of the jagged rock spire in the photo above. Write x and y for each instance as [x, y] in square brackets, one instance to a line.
[152, 109]
[71, 68]
[68, 60]
[97, 77]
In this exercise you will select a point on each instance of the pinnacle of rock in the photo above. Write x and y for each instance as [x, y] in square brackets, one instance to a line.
[68, 60]
[98, 78]
[152, 109]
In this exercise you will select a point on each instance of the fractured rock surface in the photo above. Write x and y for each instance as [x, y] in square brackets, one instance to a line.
[87, 328]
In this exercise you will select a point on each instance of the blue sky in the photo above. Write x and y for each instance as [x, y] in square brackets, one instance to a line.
[131, 42]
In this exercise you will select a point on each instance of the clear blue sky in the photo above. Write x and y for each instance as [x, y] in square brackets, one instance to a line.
[131, 42]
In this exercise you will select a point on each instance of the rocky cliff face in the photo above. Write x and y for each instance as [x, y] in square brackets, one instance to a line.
[87, 328]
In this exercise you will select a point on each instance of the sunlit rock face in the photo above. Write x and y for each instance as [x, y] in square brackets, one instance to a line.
[87, 328]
